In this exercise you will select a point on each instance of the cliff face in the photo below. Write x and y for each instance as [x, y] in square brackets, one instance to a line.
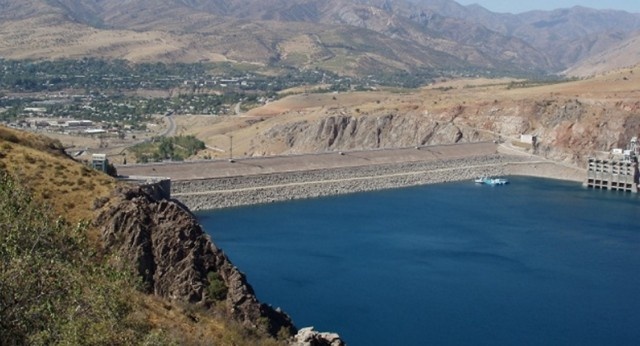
[345, 132]
[568, 128]
[162, 242]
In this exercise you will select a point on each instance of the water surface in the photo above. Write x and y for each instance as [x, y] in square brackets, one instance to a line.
[537, 262]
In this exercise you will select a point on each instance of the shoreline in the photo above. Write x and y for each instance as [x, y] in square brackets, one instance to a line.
[228, 192]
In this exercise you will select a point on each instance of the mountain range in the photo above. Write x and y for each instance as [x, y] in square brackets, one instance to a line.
[346, 36]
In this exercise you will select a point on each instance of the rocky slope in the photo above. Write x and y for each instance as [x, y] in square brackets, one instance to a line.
[567, 129]
[348, 132]
[567, 35]
[571, 120]
[162, 242]
[184, 289]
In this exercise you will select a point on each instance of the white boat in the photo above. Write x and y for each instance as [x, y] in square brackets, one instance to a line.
[497, 181]
[491, 181]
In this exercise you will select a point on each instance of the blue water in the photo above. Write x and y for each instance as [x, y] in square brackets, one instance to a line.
[537, 262]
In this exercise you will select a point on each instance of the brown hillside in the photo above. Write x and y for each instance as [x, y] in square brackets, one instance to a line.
[623, 55]
[39, 163]
[354, 37]
[572, 119]
[69, 190]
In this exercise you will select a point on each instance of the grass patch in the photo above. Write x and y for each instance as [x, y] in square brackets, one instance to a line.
[29, 159]
[167, 148]
[52, 291]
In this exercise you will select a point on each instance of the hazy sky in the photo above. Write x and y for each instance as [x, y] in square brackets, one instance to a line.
[517, 6]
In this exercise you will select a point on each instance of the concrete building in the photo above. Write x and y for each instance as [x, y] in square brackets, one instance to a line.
[612, 175]
[529, 139]
[618, 173]
[99, 162]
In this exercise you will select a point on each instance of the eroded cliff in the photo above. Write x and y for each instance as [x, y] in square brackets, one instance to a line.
[570, 120]
[162, 242]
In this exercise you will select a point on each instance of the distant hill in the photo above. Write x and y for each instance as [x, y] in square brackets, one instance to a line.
[346, 36]
[625, 54]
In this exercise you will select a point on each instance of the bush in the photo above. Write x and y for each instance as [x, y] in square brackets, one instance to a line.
[216, 290]
[111, 170]
[85, 171]
[30, 159]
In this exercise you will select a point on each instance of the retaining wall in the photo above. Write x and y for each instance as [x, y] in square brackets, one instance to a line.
[255, 189]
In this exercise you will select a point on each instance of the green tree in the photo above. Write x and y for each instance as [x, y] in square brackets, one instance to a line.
[166, 148]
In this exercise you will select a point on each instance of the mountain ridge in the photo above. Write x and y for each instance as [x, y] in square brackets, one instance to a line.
[356, 36]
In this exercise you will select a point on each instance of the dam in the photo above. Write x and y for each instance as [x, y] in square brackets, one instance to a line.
[202, 185]
[618, 172]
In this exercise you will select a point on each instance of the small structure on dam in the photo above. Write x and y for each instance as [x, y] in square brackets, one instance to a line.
[618, 172]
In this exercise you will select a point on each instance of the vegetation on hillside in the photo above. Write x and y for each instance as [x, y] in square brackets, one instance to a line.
[52, 291]
[168, 148]
[55, 289]
[56, 284]
[94, 74]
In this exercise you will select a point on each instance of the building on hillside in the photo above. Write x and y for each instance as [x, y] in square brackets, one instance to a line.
[94, 131]
[78, 123]
[100, 162]
[35, 110]
[529, 139]
[634, 147]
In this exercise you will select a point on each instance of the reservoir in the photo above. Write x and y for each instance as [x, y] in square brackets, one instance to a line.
[535, 262]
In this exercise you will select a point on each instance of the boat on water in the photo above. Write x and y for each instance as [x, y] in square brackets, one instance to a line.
[491, 181]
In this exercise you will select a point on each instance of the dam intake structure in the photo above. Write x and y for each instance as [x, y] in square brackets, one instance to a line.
[618, 172]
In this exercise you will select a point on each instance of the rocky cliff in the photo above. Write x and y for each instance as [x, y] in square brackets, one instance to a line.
[570, 120]
[162, 242]
[355, 132]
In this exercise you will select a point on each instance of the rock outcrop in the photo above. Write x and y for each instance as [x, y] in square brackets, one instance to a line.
[568, 128]
[345, 132]
[163, 243]
[309, 337]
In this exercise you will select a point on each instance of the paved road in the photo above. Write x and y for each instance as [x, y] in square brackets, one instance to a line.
[171, 127]
[295, 163]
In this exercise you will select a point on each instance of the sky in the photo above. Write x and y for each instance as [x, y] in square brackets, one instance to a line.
[517, 6]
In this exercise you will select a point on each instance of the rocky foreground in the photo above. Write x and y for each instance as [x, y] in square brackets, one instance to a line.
[162, 242]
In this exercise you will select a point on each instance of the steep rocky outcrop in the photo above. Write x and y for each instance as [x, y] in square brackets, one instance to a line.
[310, 337]
[567, 129]
[162, 242]
[344, 132]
